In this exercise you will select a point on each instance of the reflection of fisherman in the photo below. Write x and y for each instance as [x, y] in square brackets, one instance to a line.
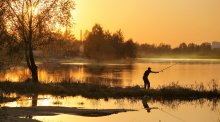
[146, 106]
[145, 77]
[145, 99]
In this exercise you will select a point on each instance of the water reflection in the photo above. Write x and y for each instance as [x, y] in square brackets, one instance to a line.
[101, 74]
[78, 101]
[120, 74]
[14, 74]
[201, 109]
[34, 100]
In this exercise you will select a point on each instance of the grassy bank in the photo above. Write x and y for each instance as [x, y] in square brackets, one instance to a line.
[100, 91]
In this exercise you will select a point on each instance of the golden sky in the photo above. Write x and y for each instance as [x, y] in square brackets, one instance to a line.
[152, 21]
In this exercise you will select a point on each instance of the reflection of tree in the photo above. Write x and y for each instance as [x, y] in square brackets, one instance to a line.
[34, 100]
[14, 74]
[107, 74]
[95, 69]
[104, 81]
[214, 105]
[173, 104]
[128, 71]
[111, 75]
[54, 72]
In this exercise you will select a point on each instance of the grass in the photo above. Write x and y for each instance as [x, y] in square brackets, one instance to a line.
[65, 88]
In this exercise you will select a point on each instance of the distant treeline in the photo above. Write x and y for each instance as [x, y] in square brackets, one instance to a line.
[101, 44]
[98, 44]
[190, 50]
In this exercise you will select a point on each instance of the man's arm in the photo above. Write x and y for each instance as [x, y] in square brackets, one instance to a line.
[154, 72]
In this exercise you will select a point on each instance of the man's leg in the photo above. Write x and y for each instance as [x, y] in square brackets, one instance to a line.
[145, 85]
[148, 85]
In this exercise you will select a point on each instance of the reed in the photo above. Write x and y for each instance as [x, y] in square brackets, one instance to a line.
[88, 90]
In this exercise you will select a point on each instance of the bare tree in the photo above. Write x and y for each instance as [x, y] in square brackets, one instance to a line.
[31, 20]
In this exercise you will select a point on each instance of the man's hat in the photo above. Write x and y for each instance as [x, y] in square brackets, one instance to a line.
[149, 68]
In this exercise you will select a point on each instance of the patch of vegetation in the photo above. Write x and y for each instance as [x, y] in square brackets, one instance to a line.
[173, 91]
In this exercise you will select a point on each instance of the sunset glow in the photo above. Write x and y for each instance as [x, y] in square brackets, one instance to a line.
[110, 60]
[152, 21]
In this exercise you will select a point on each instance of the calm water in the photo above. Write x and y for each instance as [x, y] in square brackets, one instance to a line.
[185, 72]
[168, 111]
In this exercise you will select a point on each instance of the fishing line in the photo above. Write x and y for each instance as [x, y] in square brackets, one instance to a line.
[172, 115]
[168, 67]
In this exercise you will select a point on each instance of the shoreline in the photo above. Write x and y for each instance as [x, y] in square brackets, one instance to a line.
[92, 91]
[97, 91]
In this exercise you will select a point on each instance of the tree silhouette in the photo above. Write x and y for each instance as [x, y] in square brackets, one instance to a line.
[130, 49]
[103, 45]
[182, 46]
[30, 21]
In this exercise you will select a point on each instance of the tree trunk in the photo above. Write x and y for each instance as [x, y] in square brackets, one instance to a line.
[34, 73]
[33, 66]
[31, 62]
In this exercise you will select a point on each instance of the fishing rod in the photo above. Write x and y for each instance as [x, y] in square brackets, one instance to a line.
[168, 67]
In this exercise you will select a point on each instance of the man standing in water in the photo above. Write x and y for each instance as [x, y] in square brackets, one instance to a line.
[145, 77]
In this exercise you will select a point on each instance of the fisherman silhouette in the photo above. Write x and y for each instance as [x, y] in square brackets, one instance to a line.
[145, 77]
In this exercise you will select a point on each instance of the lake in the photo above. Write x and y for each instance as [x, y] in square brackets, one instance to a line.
[184, 72]
[200, 110]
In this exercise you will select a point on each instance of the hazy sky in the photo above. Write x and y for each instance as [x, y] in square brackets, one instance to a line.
[153, 21]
